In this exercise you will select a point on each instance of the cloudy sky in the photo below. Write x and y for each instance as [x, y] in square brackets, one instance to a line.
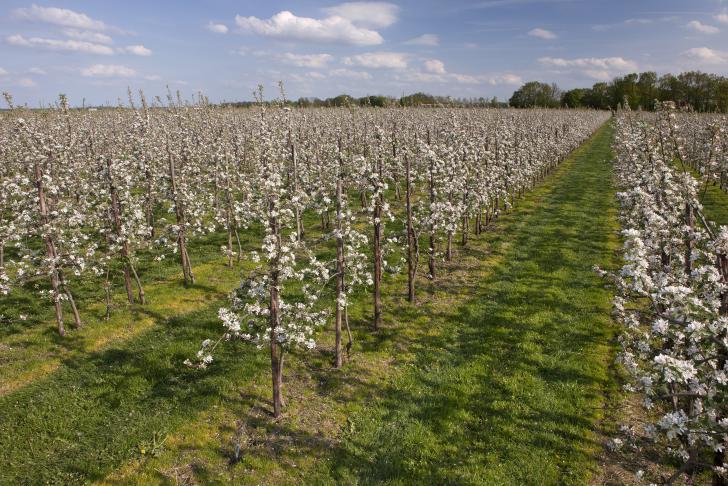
[94, 49]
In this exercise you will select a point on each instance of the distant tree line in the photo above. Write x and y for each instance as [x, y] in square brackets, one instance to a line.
[702, 92]
[415, 99]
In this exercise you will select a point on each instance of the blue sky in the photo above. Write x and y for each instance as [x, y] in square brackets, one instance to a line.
[225, 48]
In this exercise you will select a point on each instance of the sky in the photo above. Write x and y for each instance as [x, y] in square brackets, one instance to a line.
[94, 50]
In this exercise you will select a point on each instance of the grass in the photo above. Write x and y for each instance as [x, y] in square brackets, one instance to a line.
[497, 375]
[713, 198]
[509, 391]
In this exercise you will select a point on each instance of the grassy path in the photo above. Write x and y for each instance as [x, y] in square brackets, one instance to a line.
[496, 376]
[511, 391]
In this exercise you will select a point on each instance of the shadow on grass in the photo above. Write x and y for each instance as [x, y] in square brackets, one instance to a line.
[95, 411]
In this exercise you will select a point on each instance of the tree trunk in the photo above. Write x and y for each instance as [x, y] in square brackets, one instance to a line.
[50, 248]
[142, 298]
[296, 189]
[180, 218]
[340, 296]
[466, 229]
[431, 252]
[107, 296]
[377, 216]
[76, 316]
[149, 201]
[689, 222]
[410, 233]
[116, 215]
[276, 349]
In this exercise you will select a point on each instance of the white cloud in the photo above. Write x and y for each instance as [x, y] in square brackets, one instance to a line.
[59, 16]
[307, 60]
[635, 21]
[349, 73]
[638, 21]
[424, 40]
[153, 77]
[508, 78]
[604, 63]
[285, 25]
[37, 71]
[26, 83]
[599, 74]
[542, 34]
[702, 28]
[137, 50]
[722, 17]
[366, 14]
[435, 66]
[377, 60]
[85, 35]
[706, 55]
[59, 45]
[464, 78]
[315, 75]
[3, 72]
[438, 75]
[108, 71]
[601, 68]
[217, 28]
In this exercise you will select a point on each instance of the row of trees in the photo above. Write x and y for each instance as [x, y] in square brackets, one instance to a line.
[86, 194]
[702, 92]
[672, 291]
[381, 101]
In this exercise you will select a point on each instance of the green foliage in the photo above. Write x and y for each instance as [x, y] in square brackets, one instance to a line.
[573, 98]
[417, 99]
[700, 91]
[535, 94]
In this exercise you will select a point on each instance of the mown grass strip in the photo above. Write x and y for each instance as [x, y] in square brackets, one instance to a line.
[511, 392]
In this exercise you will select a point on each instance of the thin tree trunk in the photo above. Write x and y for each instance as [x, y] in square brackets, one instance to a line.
[432, 223]
[276, 350]
[116, 215]
[76, 316]
[50, 249]
[107, 296]
[689, 222]
[466, 229]
[410, 232]
[230, 246]
[240, 245]
[377, 216]
[296, 189]
[340, 296]
[140, 288]
[149, 201]
[180, 218]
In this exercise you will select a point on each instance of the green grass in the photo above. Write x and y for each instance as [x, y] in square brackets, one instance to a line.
[496, 376]
[510, 390]
[713, 198]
